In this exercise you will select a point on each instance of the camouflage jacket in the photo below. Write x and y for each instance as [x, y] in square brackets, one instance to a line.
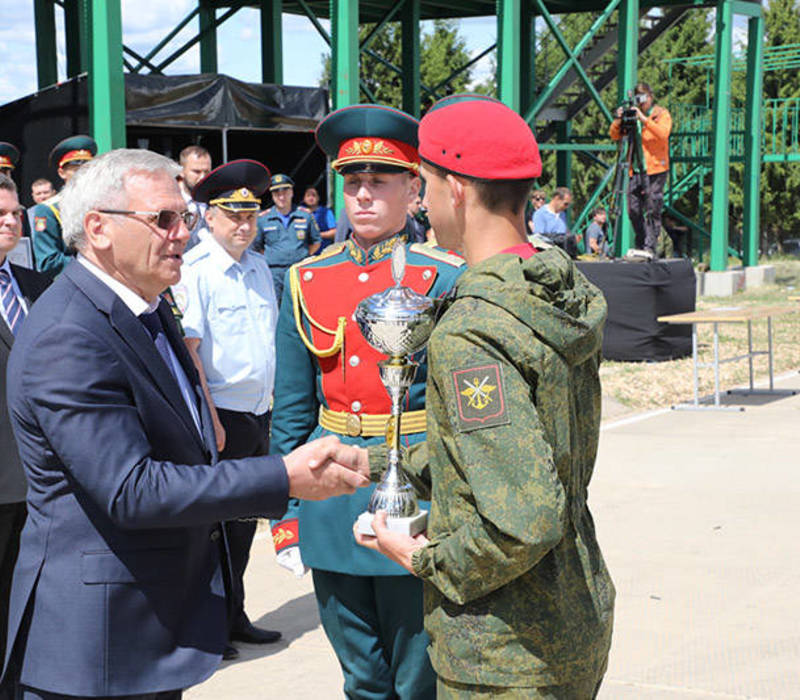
[517, 593]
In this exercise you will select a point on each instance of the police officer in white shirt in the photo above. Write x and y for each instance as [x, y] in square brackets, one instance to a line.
[229, 315]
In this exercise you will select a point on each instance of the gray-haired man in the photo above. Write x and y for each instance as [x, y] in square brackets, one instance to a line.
[118, 589]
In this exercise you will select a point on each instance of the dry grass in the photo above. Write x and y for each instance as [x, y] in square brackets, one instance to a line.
[641, 386]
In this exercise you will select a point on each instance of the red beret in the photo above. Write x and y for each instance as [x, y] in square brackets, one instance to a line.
[480, 138]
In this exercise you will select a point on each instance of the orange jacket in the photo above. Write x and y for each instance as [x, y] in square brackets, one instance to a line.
[655, 139]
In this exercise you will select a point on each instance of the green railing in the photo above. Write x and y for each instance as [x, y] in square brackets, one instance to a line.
[781, 142]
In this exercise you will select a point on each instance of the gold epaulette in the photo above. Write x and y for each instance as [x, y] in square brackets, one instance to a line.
[51, 205]
[328, 252]
[299, 303]
[439, 254]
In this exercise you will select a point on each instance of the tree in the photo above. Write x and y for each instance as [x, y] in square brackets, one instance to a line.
[442, 51]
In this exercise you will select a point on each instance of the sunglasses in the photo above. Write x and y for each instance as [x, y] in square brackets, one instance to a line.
[537, 199]
[166, 219]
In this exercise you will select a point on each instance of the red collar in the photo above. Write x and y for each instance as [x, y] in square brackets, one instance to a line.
[524, 250]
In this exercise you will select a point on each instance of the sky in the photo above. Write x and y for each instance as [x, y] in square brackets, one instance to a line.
[146, 22]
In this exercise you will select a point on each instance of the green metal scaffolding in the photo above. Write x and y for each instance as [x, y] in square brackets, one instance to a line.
[94, 45]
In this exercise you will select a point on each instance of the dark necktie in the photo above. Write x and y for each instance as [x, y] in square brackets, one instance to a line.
[152, 323]
[15, 314]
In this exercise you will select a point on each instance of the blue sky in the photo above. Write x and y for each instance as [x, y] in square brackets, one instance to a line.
[145, 22]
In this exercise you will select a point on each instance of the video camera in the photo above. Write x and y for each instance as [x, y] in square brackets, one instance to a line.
[629, 110]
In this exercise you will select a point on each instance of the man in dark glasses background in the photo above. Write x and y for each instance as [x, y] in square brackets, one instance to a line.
[119, 587]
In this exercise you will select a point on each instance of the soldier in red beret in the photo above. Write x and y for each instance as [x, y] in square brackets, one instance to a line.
[518, 600]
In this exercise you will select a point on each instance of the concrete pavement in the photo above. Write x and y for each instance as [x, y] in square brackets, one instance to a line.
[698, 516]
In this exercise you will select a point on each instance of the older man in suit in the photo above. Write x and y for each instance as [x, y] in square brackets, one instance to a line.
[19, 288]
[118, 588]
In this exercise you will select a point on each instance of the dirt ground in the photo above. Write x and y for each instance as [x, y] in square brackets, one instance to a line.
[650, 385]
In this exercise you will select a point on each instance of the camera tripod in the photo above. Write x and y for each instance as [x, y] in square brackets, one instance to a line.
[630, 158]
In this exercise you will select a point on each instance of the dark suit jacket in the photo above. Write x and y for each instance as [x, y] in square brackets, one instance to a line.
[12, 479]
[118, 587]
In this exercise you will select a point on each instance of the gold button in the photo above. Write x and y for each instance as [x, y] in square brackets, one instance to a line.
[353, 425]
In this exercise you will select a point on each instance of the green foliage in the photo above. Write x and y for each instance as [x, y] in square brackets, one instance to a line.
[684, 84]
[442, 51]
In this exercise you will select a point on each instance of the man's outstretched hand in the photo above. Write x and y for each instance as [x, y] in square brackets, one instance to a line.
[399, 548]
[324, 468]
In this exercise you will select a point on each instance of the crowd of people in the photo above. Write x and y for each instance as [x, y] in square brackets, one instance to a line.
[187, 361]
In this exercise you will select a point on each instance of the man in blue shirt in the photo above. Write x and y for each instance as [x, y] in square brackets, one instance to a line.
[229, 316]
[286, 234]
[550, 222]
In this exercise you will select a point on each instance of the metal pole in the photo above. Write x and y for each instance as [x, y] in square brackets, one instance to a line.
[721, 135]
[750, 350]
[409, 23]
[696, 374]
[106, 80]
[716, 365]
[509, 18]
[208, 37]
[769, 347]
[225, 144]
[46, 57]
[272, 41]
[627, 68]
[344, 65]
[752, 135]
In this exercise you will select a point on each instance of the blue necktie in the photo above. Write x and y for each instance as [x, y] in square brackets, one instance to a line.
[15, 314]
[152, 323]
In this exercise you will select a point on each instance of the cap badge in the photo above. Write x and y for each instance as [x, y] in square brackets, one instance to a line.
[368, 147]
[245, 193]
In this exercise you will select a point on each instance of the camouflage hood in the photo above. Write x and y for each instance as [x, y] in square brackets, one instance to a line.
[548, 294]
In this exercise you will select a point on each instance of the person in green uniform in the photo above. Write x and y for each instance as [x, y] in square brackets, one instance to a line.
[327, 381]
[518, 600]
[9, 157]
[49, 250]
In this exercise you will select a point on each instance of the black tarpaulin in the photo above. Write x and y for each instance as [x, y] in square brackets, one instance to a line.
[270, 123]
[637, 294]
[211, 100]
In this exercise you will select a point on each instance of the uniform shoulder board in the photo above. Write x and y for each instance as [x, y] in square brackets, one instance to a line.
[50, 201]
[263, 213]
[439, 254]
[330, 251]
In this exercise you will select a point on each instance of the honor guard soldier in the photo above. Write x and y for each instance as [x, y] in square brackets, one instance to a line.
[229, 316]
[518, 600]
[286, 234]
[48, 245]
[9, 157]
[327, 381]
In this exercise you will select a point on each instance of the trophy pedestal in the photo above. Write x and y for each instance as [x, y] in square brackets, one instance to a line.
[405, 526]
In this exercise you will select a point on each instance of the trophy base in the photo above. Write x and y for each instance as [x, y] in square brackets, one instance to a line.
[405, 526]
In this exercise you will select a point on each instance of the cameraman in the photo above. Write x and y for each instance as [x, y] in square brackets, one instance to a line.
[652, 123]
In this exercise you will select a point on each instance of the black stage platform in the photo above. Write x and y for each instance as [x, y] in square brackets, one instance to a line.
[637, 294]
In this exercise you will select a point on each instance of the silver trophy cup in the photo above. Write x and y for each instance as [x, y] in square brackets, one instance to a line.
[398, 323]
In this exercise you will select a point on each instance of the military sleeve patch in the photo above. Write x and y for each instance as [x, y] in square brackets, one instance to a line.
[480, 397]
[40, 223]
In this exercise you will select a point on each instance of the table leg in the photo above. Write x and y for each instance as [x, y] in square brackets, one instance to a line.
[750, 350]
[716, 365]
[696, 373]
[769, 347]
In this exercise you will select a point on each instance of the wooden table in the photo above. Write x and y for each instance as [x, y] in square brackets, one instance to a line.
[731, 314]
